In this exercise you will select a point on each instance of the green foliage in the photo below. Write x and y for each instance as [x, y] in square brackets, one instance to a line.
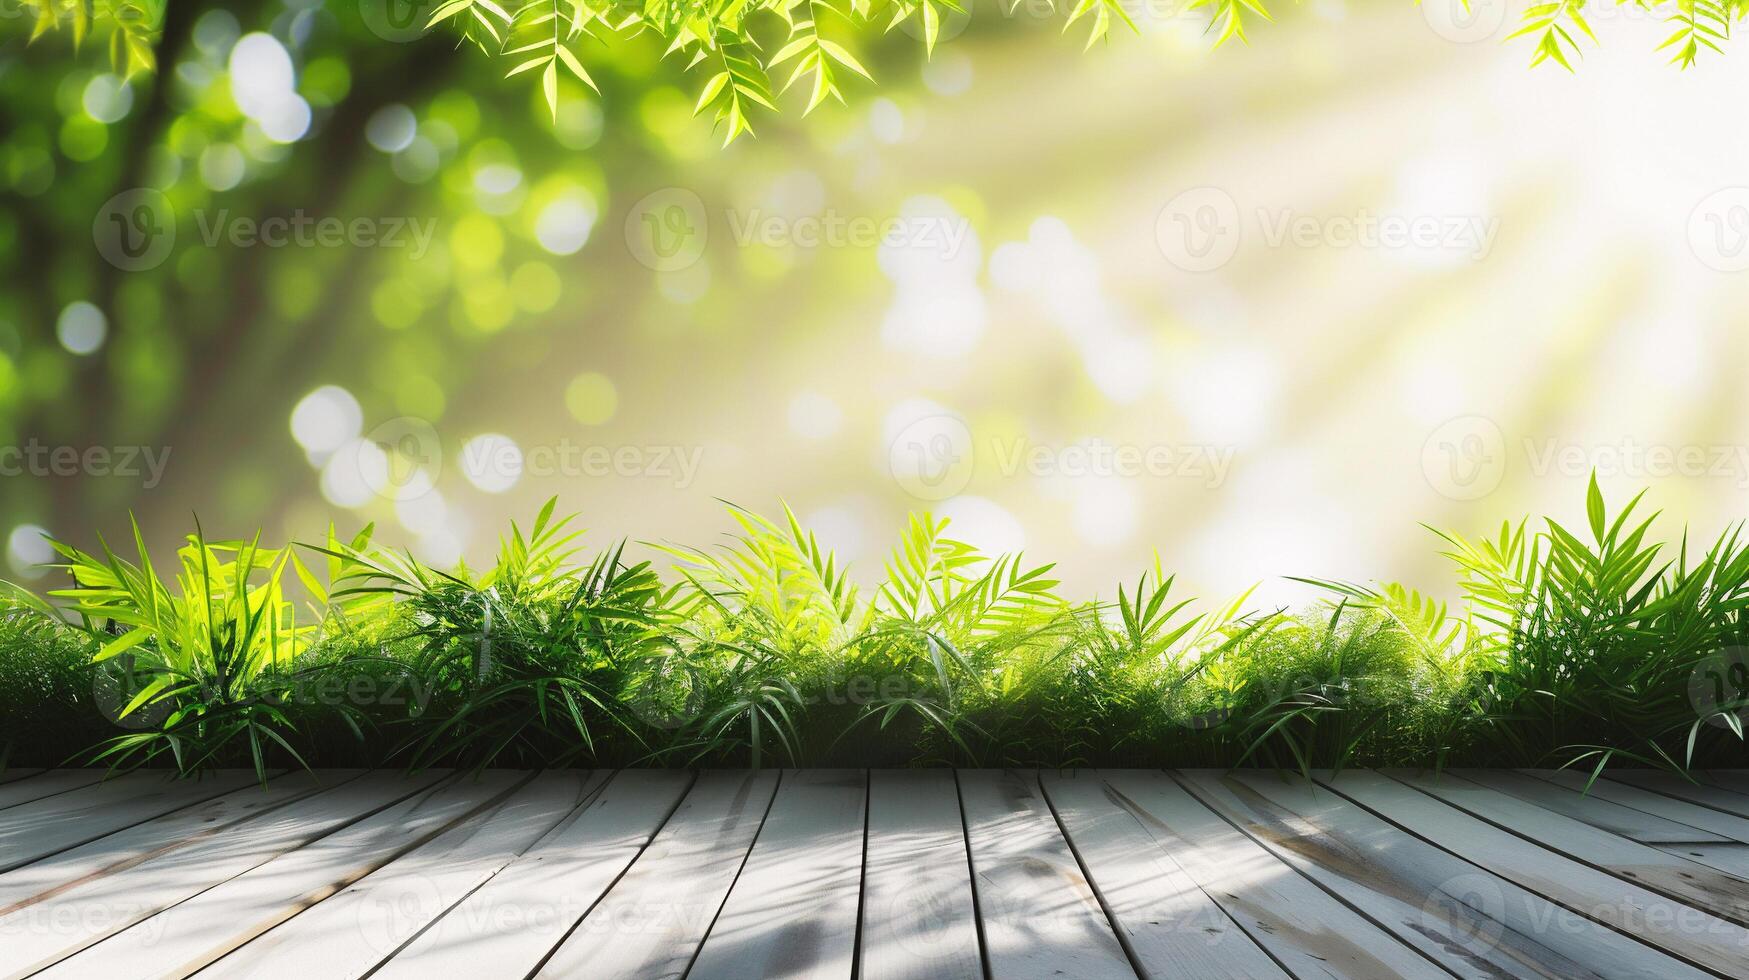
[1579, 647]
[737, 48]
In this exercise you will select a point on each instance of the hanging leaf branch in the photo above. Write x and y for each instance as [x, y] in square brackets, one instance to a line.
[736, 47]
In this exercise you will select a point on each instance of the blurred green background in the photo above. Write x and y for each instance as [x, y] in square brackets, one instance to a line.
[974, 290]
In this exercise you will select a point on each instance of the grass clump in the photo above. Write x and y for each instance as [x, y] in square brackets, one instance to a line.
[1573, 648]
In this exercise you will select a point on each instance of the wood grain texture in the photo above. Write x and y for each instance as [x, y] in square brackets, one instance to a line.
[1039, 913]
[350, 933]
[71, 918]
[511, 923]
[1300, 925]
[35, 830]
[46, 784]
[1720, 893]
[793, 911]
[189, 936]
[1170, 926]
[652, 923]
[1581, 890]
[1473, 923]
[882, 875]
[918, 922]
[1650, 801]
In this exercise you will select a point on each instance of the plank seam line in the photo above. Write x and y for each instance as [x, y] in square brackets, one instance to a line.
[673, 808]
[1197, 881]
[1538, 774]
[1741, 923]
[337, 886]
[1315, 883]
[1743, 815]
[129, 863]
[696, 950]
[201, 801]
[1382, 815]
[1660, 845]
[1123, 941]
[574, 812]
[972, 872]
[862, 875]
[70, 953]
[49, 796]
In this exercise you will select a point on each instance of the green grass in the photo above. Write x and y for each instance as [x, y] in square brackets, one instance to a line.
[1586, 647]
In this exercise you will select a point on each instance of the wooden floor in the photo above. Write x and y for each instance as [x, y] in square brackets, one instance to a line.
[932, 875]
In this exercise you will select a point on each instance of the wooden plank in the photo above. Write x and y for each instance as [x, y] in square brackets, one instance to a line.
[1688, 840]
[1039, 914]
[187, 937]
[1473, 923]
[1715, 891]
[512, 922]
[348, 934]
[1300, 925]
[47, 784]
[75, 916]
[1702, 939]
[154, 838]
[792, 912]
[1594, 809]
[1701, 792]
[1706, 818]
[918, 922]
[13, 775]
[652, 922]
[1735, 780]
[35, 830]
[1169, 925]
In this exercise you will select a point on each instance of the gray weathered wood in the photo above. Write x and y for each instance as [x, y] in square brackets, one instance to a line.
[1658, 804]
[917, 917]
[1594, 809]
[1581, 890]
[1735, 780]
[1039, 914]
[37, 829]
[13, 775]
[351, 932]
[80, 912]
[651, 923]
[1302, 927]
[1473, 923]
[792, 912]
[1170, 926]
[1702, 791]
[1687, 881]
[154, 838]
[510, 924]
[189, 936]
[47, 784]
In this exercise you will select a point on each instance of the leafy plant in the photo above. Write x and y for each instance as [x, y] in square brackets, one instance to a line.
[1577, 647]
[209, 655]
